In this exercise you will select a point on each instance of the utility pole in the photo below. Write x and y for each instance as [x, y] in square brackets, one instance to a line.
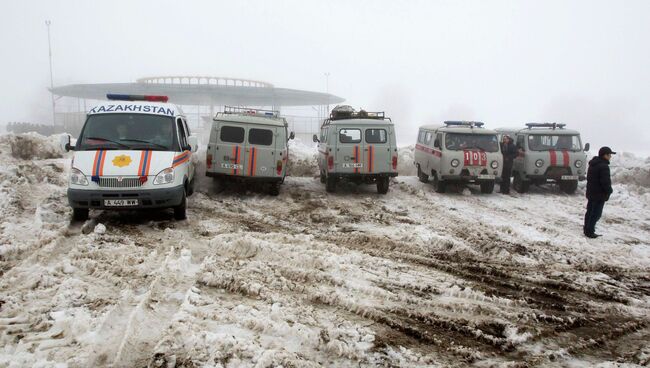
[49, 45]
[327, 90]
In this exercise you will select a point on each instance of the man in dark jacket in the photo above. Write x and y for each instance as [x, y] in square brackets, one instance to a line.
[599, 188]
[509, 152]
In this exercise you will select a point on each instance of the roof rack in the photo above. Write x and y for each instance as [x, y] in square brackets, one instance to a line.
[249, 111]
[470, 124]
[341, 112]
[545, 125]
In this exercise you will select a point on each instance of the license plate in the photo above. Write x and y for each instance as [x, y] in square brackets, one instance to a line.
[486, 177]
[120, 202]
[232, 166]
[569, 177]
[352, 165]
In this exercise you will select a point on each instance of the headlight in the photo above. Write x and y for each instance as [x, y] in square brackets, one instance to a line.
[164, 177]
[494, 164]
[539, 163]
[77, 177]
[578, 163]
[455, 163]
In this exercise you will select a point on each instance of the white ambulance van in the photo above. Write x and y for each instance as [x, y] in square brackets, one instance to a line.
[133, 152]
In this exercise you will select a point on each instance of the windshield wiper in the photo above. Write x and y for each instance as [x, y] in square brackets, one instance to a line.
[108, 140]
[147, 142]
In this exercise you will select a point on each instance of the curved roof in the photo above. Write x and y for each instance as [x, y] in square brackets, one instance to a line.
[232, 92]
[541, 131]
[458, 129]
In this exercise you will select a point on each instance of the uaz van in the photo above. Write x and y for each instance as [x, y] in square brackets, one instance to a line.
[548, 153]
[357, 146]
[458, 152]
[249, 145]
[134, 152]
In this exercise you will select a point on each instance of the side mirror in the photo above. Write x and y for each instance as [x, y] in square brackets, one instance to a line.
[436, 143]
[316, 138]
[586, 147]
[65, 143]
[292, 135]
[193, 141]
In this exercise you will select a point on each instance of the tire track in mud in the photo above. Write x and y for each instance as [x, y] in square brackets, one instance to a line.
[561, 308]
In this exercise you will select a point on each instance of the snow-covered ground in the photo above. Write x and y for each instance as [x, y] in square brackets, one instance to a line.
[412, 278]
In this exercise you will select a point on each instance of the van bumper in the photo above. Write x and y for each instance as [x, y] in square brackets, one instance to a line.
[469, 178]
[551, 179]
[362, 176]
[267, 179]
[151, 198]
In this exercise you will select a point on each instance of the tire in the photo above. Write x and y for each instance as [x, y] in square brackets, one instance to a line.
[520, 185]
[487, 187]
[323, 178]
[219, 185]
[330, 184]
[382, 185]
[438, 186]
[190, 190]
[422, 176]
[180, 211]
[274, 189]
[569, 187]
[80, 214]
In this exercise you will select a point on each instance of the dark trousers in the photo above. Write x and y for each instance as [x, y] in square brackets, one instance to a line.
[506, 173]
[594, 211]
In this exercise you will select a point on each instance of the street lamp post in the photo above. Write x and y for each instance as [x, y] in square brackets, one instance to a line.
[49, 45]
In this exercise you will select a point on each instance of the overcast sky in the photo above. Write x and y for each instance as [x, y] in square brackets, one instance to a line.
[585, 63]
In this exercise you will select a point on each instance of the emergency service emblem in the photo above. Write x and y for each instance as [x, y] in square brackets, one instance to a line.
[122, 160]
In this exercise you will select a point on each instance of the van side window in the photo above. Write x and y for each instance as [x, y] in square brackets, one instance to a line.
[262, 137]
[375, 136]
[231, 134]
[181, 134]
[347, 135]
[421, 136]
[187, 128]
[427, 138]
[439, 138]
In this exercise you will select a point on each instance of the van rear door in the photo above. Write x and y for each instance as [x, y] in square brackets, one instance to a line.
[349, 151]
[377, 150]
[261, 151]
[230, 148]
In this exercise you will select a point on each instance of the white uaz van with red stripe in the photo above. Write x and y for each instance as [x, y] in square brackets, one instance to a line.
[548, 153]
[357, 146]
[458, 152]
[248, 145]
[134, 152]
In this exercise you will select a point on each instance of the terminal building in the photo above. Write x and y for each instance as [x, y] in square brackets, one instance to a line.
[201, 97]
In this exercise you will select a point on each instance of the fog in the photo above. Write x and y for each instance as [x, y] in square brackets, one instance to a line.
[584, 63]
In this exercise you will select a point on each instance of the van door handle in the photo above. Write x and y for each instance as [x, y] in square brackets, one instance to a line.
[365, 149]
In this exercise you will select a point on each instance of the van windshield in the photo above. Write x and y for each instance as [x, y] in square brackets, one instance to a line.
[547, 142]
[128, 132]
[459, 142]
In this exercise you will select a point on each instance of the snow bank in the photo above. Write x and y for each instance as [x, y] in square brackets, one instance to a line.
[302, 159]
[29, 146]
[405, 159]
[629, 169]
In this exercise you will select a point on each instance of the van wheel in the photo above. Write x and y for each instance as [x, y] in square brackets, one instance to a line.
[323, 178]
[487, 187]
[80, 214]
[569, 187]
[274, 189]
[190, 190]
[382, 185]
[422, 176]
[520, 185]
[219, 185]
[180, 211]
[330, 184]
[438, 185]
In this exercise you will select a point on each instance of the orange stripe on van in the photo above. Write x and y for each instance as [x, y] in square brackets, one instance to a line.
[101, 164]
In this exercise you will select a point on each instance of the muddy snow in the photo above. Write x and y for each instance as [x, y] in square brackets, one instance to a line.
[412, 278]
